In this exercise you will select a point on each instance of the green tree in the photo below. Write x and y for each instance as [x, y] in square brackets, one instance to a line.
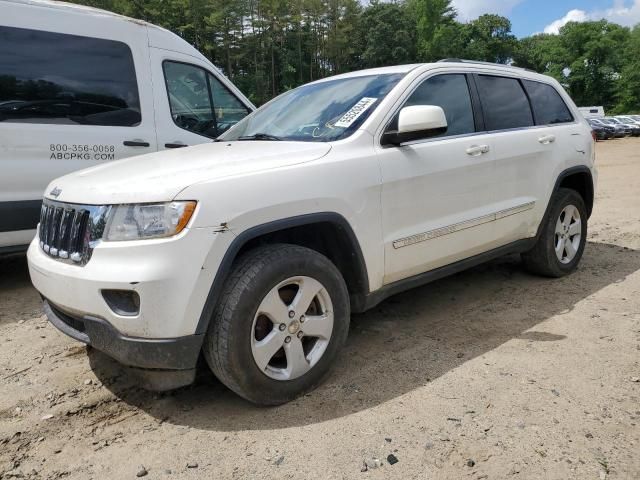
[269, 46]
[628, 93]
[542, 53]
[386, 35]
[431, 16]
[596, 60]
[489, 39]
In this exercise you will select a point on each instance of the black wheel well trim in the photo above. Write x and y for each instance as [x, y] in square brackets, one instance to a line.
[563, 175]
[271, 227]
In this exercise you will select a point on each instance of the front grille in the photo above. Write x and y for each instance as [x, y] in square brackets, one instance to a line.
[62, 231]
[69, 231]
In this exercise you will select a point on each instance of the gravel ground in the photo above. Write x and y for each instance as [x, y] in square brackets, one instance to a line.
[491, 373]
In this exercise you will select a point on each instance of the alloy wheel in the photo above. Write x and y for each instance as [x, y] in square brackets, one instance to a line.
[292, 328]
[568, 234]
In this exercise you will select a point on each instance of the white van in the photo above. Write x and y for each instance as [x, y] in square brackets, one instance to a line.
[81, 86]
[592, 112]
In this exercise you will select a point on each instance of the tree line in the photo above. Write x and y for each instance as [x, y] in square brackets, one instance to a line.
[269, 46]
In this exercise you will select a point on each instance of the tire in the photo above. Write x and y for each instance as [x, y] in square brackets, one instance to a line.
[542, 259]
[252, 318]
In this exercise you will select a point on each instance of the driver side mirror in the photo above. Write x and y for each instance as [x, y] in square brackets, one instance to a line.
[417, 123]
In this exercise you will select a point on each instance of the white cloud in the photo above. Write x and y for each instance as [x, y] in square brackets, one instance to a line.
[571, 16]
[624, 12]
[471, 9]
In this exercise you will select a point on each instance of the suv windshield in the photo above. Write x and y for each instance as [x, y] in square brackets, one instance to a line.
[319, 112]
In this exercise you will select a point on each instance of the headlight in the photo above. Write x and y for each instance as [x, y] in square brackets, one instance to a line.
[147, 220]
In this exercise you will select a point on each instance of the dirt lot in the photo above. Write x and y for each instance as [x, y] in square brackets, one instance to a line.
[492, 373]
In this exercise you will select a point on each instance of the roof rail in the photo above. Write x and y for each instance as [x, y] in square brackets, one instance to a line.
[477, 62]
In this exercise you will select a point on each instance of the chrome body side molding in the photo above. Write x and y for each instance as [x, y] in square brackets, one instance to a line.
[457, 227]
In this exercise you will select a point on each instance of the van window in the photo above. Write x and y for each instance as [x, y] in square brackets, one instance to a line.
[504, 103]
[56, 78]
[199, 102]
[228, 108]
[451, 93]
[548, 106]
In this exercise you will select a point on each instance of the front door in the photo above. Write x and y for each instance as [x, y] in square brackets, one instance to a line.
[438, 195]
[194, 105]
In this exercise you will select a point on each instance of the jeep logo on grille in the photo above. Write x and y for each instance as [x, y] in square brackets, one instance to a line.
[55, 192]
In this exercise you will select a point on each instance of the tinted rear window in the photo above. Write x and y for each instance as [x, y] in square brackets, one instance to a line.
[548, 106]
[504, 103]
[57, 78]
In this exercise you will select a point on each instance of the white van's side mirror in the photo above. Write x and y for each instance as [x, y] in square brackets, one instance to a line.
[418, 122]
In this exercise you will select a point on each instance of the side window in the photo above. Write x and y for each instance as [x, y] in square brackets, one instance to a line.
[504, 103]
[189, 98]
[451, 93]
[199, 102]
[228, 109]
[55, 78]
[548, 106]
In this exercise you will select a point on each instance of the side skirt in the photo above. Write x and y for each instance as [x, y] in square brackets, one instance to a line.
[361, 303]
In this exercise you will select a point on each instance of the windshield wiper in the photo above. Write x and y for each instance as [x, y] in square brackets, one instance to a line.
[260, 136]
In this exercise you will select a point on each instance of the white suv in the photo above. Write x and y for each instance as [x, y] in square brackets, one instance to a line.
[256, 249]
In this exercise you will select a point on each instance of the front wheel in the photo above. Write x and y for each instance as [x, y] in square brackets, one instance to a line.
[562, 239]
[279, 324]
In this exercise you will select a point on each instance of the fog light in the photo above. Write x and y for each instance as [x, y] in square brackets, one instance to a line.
[125, 303]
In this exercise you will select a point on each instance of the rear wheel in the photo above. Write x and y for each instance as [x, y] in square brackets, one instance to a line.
[563, 237]
[279, 325]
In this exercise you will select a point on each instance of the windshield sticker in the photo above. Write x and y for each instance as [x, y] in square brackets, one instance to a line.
[358, 109]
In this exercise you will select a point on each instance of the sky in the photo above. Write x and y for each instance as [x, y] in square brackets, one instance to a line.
[536, 16]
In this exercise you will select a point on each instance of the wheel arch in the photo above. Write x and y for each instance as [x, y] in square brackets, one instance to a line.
[328, 233]
[579, 179]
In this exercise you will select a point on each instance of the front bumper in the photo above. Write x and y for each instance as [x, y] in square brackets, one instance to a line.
[172, 278]
[166, 353]
[162, 364]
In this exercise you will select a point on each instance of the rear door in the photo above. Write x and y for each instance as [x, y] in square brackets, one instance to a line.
[193, 104]
[67, 102]
[526, 152]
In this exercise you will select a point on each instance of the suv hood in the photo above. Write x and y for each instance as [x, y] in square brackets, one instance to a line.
[160, 176]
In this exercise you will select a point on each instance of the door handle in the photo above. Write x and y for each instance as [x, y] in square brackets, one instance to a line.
[175, 145]
[547, 139]
[136, 143]
[477, 150]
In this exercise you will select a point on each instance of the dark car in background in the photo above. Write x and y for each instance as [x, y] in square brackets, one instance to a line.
[618, 131]
[630, 129]
[628, 119]
[601, 131]
[621, 130]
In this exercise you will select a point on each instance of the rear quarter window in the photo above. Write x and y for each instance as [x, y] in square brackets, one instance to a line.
[55, 78]
[548, 106]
